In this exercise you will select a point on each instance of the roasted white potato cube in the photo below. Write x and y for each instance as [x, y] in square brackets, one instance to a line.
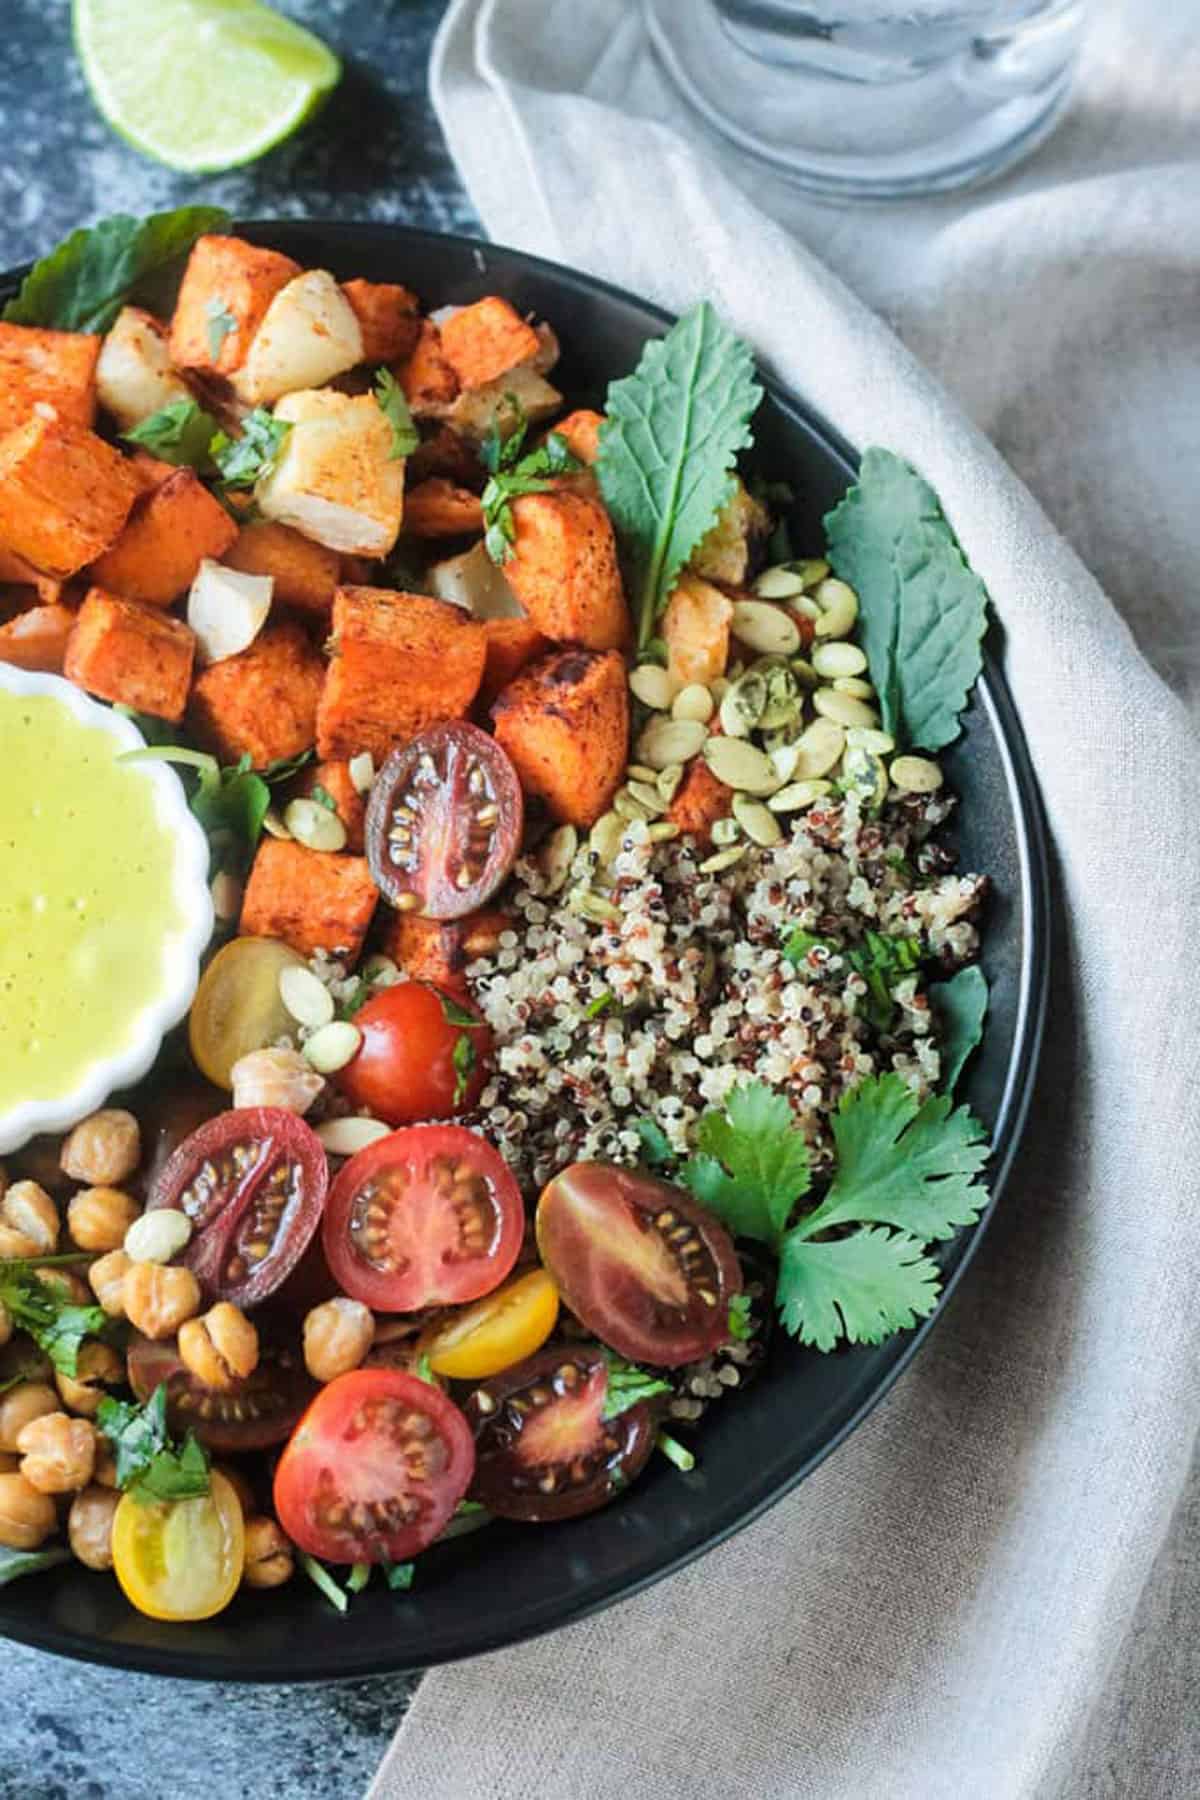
[474, 582]
[134, 377]
[735, 540]
[336, 479]
[476, 408]
[310, 334]
[227, 609]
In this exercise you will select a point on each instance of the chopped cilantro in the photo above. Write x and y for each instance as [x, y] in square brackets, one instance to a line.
[179, 433]
[741, 1326]
[323, 797]
[399, 1576]
[360, 1574]
[512, 474]
[390, 399]
[149, 1465]
[881, 961]
[463, 1057]
[57, 1326]
[245, 459]
[656, 1145]
[675, 1452]
[627, 1385]
[600, 1004]
[453, 1012]
[320, 1577]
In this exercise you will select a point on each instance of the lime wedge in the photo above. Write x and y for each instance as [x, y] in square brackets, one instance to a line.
[201, 84]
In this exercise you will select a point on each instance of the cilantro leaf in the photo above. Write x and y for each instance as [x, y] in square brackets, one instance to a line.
[667, 449]
[513, 475]
[753, 1165]
[883, 962]
[741, 1325]
[656, 1145]
[463, 1058]
[863, 1287]
[179, 433]
[902, 1162]
[453, 1013]
[15, 1563]
[149, 1465]
[399, 1576]
[922, 609]
[391, 401]
[57, 1326]
[83, 283]
[627, 1385]
[323, 797]
[218, 323]
[244, 460]
[960, 1006]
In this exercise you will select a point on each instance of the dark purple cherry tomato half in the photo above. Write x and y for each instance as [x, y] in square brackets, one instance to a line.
[253, 1183]
[249, 1415]
[444, 821]
[543, 1448]
[639, 1262]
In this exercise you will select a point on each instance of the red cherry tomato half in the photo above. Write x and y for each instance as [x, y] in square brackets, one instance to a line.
[424, 1055]
[430, 1216]
[644, 1267]
[543, 1448]
[375, 1468]
[248, 1415]
[444, 821]
[253, 1184]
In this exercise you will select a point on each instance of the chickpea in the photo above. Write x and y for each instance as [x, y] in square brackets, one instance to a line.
[240, 1486]
[337, 1335]
[14, 1244]
[104, 1149]
[159, 1298]
[58, 1454]
[275, 1078]
[29, 1400]
[66, 1284]
[89, 1526]
[97, 1368]
[26, 1517]
[107, 1280]
[99, 1217]
[28, 1209]
[220, 1348]
[270, 1559]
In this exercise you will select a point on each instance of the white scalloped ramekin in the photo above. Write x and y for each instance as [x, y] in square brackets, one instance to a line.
[187, 944]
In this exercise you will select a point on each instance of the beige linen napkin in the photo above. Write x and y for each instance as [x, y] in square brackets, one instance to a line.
[950, 1606]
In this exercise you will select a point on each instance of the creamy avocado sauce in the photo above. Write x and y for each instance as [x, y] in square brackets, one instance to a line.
[87, 898]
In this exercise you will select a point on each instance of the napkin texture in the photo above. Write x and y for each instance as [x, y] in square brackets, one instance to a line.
[983, 1593]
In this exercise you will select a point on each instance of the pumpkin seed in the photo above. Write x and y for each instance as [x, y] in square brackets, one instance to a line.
[742, 707]
[640, 772]
[667, 741]
[811, 569]
[629, 808]
[804, 672]
[669, 780]
[767, 629]
[854, 686]
[308, 1000]
[863, 774]
[784, 758]
[604, 839]
[820, 746]
[724, 859]
[662, 831]
[779, 583]
[740, 766]
[881, 742]
[839, 609]
[725, 832]
[362, 771]
[693, 702]
[556, 856]
[653, 686]
[314, 826]
[226, 891]
[647, 793]
[804, 607]
[799, 794]
[759, 825]
[331, 1048]
[273, 825]
[842, 709]
[346, 1137]
[838, 658]
[916, 775]
[784, 700]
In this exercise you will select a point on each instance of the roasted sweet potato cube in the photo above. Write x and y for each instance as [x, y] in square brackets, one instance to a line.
[37, 638]
[389, 318]
[311, 900]
[58, 367]
[261, 703]
[305, 573]
[564, 569]
[438, 950]
[565, 723]
[696, 630]
[64, 494]
[166, 537]
[226, 289]
[700, 800]
[132, 654]
[511, 645]
[401, 662]
[428, 380]
[333, 781]
[582, 432]
[486, 339]
[16, 572]
[437, 508]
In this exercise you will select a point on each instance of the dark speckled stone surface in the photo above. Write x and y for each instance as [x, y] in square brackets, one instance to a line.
[70, 1732]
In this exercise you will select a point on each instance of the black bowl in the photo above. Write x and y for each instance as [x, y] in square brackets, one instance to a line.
[510, 1582]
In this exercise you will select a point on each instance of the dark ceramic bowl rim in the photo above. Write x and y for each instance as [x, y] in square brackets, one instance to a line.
[993, 694]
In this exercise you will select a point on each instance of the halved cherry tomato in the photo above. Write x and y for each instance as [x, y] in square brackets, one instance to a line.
[423, 1055]
[645, 1268]
[496, 1332]
[237, 1007]
[543, 1448]
[253, 1183]
[444, 821]
[180, 1559]
[374, 1469]
[430, 1216]
[248, 1415]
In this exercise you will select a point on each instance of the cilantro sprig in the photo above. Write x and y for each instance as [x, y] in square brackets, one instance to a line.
[56, 1325]
[855, 1266]
[513, 473]
[628, 1384]
[150, 1465]
[881, 960]
[243, 460]
[391, 401]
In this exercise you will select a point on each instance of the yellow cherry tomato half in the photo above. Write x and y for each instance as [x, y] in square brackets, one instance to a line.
[501, 1329]
[237, 1007]
[180, 1559]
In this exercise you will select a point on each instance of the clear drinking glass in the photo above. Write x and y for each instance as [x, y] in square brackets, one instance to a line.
[857, 98]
